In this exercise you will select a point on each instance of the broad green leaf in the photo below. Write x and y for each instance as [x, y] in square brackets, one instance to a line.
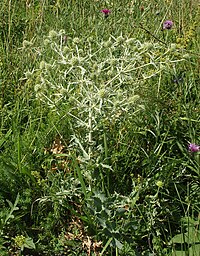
[29, 243]
[190, 237]
[193, 236]
[194, 250]
[118, 244]
[179, 253]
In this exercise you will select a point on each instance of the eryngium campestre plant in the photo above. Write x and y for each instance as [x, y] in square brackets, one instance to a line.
[97, 80]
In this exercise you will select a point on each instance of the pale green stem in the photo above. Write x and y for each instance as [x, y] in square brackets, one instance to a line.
[90, 130]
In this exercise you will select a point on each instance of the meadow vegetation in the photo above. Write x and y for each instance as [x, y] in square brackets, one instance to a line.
[100, 127]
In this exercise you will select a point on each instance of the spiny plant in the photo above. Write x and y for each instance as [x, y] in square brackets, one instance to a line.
[125, 124]
[97, 84]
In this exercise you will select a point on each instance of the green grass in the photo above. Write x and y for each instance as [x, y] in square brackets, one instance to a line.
[96, 118]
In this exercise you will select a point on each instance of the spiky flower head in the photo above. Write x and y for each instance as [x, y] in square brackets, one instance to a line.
[106, 12]
[168, 24]
[193, 147]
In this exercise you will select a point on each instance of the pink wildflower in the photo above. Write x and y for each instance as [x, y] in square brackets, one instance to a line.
[167, 24]
[106, 12]
[193, 147]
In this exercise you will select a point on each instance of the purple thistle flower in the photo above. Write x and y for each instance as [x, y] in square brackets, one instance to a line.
[167, 24]
[193, 147]
[106, 12]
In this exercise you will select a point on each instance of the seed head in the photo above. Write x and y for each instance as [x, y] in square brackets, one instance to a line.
[53, 34]
[159, 183]
[26, 43]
